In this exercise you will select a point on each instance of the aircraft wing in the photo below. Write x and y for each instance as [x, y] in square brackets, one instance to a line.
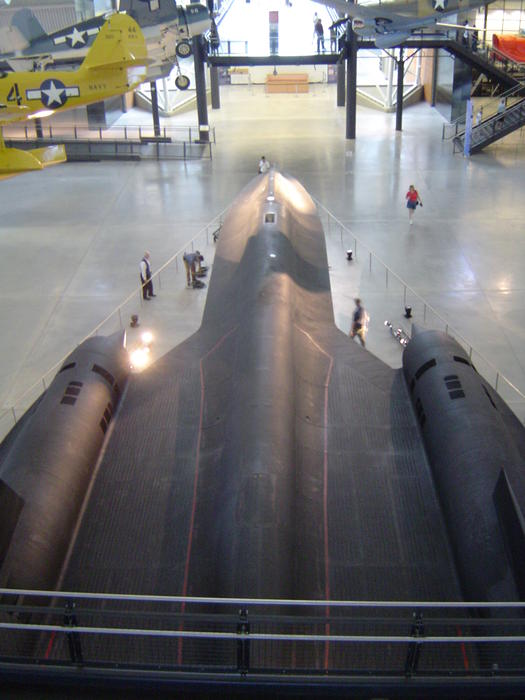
[264, 455]
[369, 12]
[397, 20]
[269, 456]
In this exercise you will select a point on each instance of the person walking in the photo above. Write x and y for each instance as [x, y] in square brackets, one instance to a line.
[264, 166]
[319, 31]
[359, 322]
[333, 39]
[215, 42]
[145, 277]
[479, 117]
[413, 199]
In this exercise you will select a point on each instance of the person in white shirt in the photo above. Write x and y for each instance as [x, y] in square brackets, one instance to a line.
[145, 277]
[264, 166]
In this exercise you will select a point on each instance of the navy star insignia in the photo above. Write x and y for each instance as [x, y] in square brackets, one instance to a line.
[53, 93]
[77, 39]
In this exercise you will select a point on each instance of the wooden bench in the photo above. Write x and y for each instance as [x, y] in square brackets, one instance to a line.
[287, 82]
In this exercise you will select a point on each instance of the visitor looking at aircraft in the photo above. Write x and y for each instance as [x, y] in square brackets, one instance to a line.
[145, 277]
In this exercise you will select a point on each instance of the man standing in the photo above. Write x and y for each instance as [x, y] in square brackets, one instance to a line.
[359, 322]
[145, 278]
[319, 31]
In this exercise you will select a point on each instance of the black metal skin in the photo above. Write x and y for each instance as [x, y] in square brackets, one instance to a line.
[468, 442]
[50, 462]
[255, 387]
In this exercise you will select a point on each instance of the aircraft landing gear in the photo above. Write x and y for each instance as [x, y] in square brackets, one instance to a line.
[182, 82]
[183, 49]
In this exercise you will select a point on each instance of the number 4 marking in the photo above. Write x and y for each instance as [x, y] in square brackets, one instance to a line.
[14, 95]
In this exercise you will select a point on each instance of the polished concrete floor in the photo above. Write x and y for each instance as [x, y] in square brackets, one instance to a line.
[71, 237]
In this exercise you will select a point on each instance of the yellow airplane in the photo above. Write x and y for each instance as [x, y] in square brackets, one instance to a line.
[115, 64]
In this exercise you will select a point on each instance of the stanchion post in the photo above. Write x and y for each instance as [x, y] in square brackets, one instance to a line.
[243, 644]
[414, 648]
[73, 638]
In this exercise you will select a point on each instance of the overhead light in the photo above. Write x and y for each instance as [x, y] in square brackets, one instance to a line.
[408, 312]
[140, 358]
[273, 255]
[147, 338]
[134, 321]
[270, 198]
[349, 255]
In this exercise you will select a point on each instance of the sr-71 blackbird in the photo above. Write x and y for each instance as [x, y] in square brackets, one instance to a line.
[268, 455]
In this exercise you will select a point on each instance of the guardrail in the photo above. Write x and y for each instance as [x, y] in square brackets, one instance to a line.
[425, 314]
[162, 634]
[124, 142]
[166, 277]
[489, 108]
[190, 134]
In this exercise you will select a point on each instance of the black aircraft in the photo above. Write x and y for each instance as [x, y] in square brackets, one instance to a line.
[268, 455]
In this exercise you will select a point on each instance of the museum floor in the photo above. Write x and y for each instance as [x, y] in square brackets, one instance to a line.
[71, 237]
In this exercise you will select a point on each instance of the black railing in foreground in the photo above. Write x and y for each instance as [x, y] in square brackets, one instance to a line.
[247, 636]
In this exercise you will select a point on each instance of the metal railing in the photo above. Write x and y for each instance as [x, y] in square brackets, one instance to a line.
[119, 141]
[489, 108]
[424, 313]
[213, 635]
[231, 47]
[130, 132]
[500, 124]
[502, 60]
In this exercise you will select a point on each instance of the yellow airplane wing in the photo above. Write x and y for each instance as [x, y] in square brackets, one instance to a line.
[14, 161]
[115, 64]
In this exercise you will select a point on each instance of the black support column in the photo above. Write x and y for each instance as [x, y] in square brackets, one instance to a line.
[399, 101]
[341, 74]
[215, 94]
[435, 59]
[38, 129]
[155, 108]
[200, 87]
[351, 82]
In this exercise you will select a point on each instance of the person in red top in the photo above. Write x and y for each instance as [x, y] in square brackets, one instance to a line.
[413, 199]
